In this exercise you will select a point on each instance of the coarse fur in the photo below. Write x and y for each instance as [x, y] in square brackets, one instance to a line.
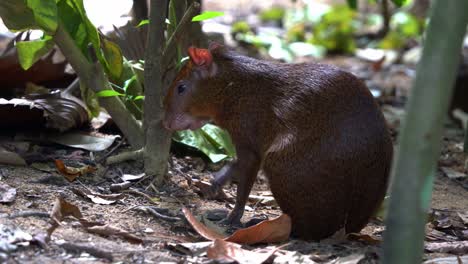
[315, 131]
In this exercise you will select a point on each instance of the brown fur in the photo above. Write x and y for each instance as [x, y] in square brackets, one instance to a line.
[315, 130]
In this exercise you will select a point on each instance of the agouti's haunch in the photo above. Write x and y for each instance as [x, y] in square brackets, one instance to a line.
[314, 130]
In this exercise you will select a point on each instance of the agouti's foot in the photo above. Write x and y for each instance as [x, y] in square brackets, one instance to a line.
[233, 219]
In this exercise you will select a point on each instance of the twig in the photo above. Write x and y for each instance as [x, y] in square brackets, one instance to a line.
[150, 210]
[147, 197]
[131, 155]
[28, 214]
[92, 250]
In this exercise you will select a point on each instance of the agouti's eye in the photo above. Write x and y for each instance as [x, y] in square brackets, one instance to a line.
[181, 88]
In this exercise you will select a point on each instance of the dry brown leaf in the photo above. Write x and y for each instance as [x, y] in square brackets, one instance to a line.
[201, 229]
[456, 247]
[367, 239]
[268, 231]
[61, 209]
[224, 251]
[7, 193]
[97, 197]
[71, 173]
[108, 230]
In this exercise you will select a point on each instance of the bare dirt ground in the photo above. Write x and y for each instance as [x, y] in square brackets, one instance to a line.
[164, 238]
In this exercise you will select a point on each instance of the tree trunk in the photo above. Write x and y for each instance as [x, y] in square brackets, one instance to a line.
[158, 139]
[420, 143]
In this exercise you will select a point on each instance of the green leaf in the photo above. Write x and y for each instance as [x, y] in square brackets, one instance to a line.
[400, 3]
[211, 140]
[108, 93]
[31, 51]
[139, 97]
[45, 14]
[207, 15]
[114, 58]
[143, 22]
[353, 3]
[16, 15]
[221, 138]
[129, 82]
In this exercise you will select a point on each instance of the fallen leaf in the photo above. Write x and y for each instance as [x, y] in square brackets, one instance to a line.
[268, 231]
[463, 216]
[131, 177]
[455, 247]
[7, 193]
[11, 158]
[351, 259]
[97, 197]
[367, 239]
[225, 251]
[84, 141]
[108, 230]
[201, 229]
[63, 208]
[11, 237]
[71, 173]
[453, 174]
[448, 260]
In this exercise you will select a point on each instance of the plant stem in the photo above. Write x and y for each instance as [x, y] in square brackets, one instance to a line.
[420, 143]
[92, 76]
[158, 139]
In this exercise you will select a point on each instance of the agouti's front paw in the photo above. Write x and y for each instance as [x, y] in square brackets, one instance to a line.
[233, 218]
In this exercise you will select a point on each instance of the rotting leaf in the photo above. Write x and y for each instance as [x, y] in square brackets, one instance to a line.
[7, 193]
[224, 251]
[71, 173]
[108, 230]
[11, 158]
[97, 197]
[367, 239]
[268, 231]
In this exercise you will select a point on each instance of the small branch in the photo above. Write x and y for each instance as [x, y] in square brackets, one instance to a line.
[92, 76]
[130, 155]
[170, 51]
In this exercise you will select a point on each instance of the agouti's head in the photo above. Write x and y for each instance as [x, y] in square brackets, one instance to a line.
[189, 101]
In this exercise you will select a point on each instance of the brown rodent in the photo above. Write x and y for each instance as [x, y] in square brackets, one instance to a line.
[313, 129]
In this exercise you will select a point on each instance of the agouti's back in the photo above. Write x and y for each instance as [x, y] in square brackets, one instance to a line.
[315, 130]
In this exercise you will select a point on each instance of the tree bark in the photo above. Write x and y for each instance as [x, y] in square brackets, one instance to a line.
[420, 143]
[158, 139]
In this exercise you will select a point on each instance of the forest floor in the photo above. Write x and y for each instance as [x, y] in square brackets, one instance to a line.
[142, 237]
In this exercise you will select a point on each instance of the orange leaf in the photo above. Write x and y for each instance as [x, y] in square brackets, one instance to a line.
[201, 229]
[227, 252]
[71, 173]
[268, 231]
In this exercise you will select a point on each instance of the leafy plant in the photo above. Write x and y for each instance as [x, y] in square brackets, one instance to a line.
[335, 30]
[403, 26]
[273, 14]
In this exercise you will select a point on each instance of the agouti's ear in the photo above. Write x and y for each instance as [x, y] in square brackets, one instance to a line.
[200, 57]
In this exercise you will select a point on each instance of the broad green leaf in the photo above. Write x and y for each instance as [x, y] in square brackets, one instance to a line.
[16, 15]
[207, 15]
[143, 22]
[139, 97]
[220, 138]
[400, 2]
[114, 58]
[31, 51]
[45, 14]
[211, 140]
[353, 3]
[108, 93]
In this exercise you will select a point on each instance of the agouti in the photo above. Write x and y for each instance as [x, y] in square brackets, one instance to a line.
[314, 130]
